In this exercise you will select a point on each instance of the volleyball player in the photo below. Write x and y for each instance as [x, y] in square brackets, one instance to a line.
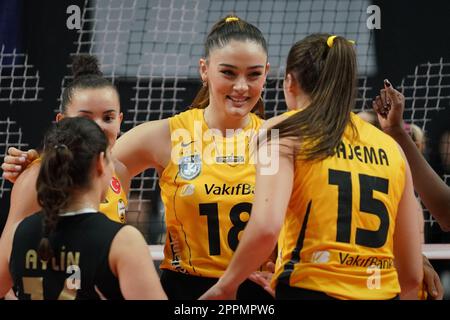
[343, 198]
[207, 201]
[69, 250]
[88, 95]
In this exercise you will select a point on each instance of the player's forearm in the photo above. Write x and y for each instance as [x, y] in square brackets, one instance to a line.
[434, 193]
[255, 247]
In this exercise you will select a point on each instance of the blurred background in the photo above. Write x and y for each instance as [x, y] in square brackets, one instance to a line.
[150, 50]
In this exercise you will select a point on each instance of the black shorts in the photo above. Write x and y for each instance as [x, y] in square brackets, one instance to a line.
[180, 286]
[286, 292]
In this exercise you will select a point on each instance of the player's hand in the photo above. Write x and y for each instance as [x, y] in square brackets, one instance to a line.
[264, 278]
[217, 292]
[16, 162]
[389, 106]
[431, 282]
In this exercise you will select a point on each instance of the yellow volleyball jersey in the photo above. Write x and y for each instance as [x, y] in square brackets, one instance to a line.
[338, 233]
[115, 203]
[207, 190]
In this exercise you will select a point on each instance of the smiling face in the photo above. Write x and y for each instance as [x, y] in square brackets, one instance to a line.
[100, 105]
[235, 75]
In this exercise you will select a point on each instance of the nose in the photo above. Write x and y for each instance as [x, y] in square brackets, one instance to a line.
[101, 124]
[241, 85]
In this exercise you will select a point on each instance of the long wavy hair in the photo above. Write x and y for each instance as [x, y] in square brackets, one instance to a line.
[329, 76]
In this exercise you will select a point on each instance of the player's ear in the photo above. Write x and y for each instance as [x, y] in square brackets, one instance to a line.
[59, 117]
[290, 84]
[101, 163]
[203, 68]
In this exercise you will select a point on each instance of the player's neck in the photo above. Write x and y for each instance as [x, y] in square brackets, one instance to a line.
[303, 101]
[83, 200]
[215, 119]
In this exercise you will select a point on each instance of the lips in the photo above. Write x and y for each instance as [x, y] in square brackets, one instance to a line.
[238, 100]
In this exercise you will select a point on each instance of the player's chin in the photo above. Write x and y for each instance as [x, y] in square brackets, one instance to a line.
[240, 111]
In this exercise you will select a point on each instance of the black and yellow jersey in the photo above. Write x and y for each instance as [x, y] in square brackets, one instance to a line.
[115, 204]
[338, 232]
[81, 245]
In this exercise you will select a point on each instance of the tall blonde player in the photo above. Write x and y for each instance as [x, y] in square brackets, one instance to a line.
[343, 200]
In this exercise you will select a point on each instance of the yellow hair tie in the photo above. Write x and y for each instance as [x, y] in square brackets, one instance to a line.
[330, 41]
[230, 19]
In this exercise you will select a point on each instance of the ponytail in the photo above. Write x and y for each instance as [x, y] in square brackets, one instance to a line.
[53, 187]
[326, 71]
[69, 150]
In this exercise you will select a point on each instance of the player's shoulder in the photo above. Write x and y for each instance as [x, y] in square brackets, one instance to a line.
[269, 123]
[371, 132]
[185, 119]
[188, 113]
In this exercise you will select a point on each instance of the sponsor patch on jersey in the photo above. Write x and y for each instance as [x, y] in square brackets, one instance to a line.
[320, 257]
[121, 210]
[190, 166]
[230, 159]
[115, 185]
[187, 190]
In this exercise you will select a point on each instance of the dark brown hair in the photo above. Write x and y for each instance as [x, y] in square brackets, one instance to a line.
[86, 75]
[69, 150]
[329, 76]
[225, 30]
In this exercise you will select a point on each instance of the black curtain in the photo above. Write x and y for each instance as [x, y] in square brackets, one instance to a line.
[38, 29]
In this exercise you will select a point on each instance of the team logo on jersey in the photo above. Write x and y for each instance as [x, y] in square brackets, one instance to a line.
[187, 190]
[190, 166]
[115, 185]
[320, 257]
[121, 210]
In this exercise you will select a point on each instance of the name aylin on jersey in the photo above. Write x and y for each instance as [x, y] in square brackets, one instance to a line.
[66, 258]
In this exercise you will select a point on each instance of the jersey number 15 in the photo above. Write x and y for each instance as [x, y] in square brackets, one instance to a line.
[367, 204]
